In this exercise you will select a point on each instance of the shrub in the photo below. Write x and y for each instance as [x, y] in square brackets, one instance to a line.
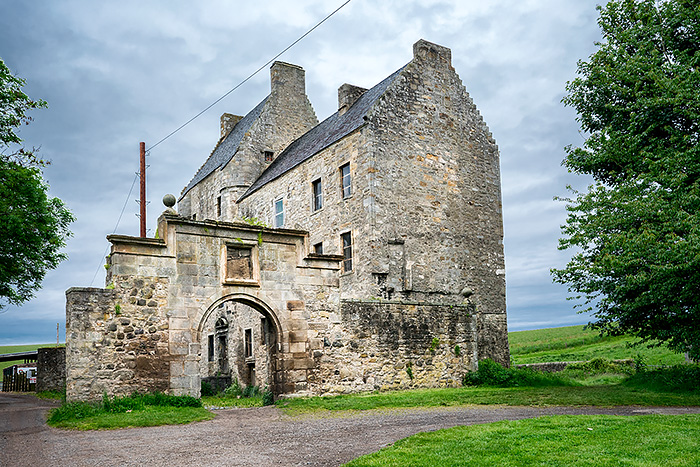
[681, 378]
[491, 373]
[74, 411]
[235, 389]
[268, 398]
[250, 391]
[207, 390]
[598, 366]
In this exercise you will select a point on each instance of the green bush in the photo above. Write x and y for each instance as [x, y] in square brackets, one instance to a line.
[235, 389]
[491, 373]
[206, 389]
[598, 366]
[268, 398]
[74, 411]
[679, 378]
[250, 391]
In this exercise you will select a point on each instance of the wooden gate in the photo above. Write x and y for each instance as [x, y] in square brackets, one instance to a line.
[16, 381]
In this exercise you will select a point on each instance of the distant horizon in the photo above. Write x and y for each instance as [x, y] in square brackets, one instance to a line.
[509, 331]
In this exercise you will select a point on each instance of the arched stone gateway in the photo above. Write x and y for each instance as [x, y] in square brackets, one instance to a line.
[202, 286]
[239, 341]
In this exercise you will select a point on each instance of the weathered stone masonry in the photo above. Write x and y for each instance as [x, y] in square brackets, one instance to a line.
[407, 171]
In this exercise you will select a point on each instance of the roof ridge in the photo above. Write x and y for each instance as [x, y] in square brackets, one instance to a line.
[220, 158]
[331, 130]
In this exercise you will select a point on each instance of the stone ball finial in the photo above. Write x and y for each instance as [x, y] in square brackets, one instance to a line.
[169, 200]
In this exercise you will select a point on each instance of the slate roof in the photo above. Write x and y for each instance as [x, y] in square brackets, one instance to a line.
[322, 135]
[226, 149]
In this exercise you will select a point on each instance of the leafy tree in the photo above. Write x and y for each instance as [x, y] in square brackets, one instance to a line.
[33, 226]
[636, 231]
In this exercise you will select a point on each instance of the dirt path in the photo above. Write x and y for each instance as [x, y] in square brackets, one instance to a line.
[245, 437]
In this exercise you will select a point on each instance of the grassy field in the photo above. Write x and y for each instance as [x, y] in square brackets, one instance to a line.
[19, 348]
[573, 343]
[648, 440]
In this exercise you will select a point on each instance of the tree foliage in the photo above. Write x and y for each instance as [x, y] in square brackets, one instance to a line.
[636, 231]
[33, 226]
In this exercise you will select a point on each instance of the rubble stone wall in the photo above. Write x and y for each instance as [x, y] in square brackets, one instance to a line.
[379, 345]
[51, 369]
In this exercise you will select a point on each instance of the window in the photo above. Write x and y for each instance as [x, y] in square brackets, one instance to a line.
[318, 195]
[218, 206]
[210, 347]
[239, 263]
[346, 239]
[345, 180]
[318, 248]
[248, 343]
[279, 213]
[269, 156]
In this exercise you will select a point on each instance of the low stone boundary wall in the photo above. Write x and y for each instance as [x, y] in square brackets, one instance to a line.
[51, 369]
[553, 367]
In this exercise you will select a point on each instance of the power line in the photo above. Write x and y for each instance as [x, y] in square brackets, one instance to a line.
[251, 75]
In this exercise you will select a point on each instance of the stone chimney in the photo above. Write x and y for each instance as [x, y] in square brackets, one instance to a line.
[347, 96]
[429, 52]
[228, 122]
[287, 78]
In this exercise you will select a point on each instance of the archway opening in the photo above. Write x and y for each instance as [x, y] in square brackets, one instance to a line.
[239, 344]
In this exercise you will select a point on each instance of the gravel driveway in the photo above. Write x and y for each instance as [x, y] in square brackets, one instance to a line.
[245, 437]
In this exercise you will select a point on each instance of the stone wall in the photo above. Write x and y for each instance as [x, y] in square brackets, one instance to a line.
[51, 369]
[117, 340]
[380, 345]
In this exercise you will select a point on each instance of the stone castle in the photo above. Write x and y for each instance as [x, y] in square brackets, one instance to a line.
[364, 252]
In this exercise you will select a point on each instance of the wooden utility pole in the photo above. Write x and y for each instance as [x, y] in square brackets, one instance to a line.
[142, 200]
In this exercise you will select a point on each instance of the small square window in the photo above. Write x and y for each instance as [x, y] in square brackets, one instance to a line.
[279, 213]
[269, 156]
[318, 248]
[317, 195]
[346, 240]
[345, 180]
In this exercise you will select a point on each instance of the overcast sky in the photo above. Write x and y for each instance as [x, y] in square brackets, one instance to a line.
[117, 73]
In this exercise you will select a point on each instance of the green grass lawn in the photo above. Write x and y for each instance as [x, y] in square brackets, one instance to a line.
[129, 411]
[149, 416]
[573, 343]
[598, 440]
[19, 348]
[604, 395]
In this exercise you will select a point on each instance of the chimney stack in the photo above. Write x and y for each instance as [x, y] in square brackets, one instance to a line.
[287, 78]
[347, 96]
[430, 52]
[228, 122]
